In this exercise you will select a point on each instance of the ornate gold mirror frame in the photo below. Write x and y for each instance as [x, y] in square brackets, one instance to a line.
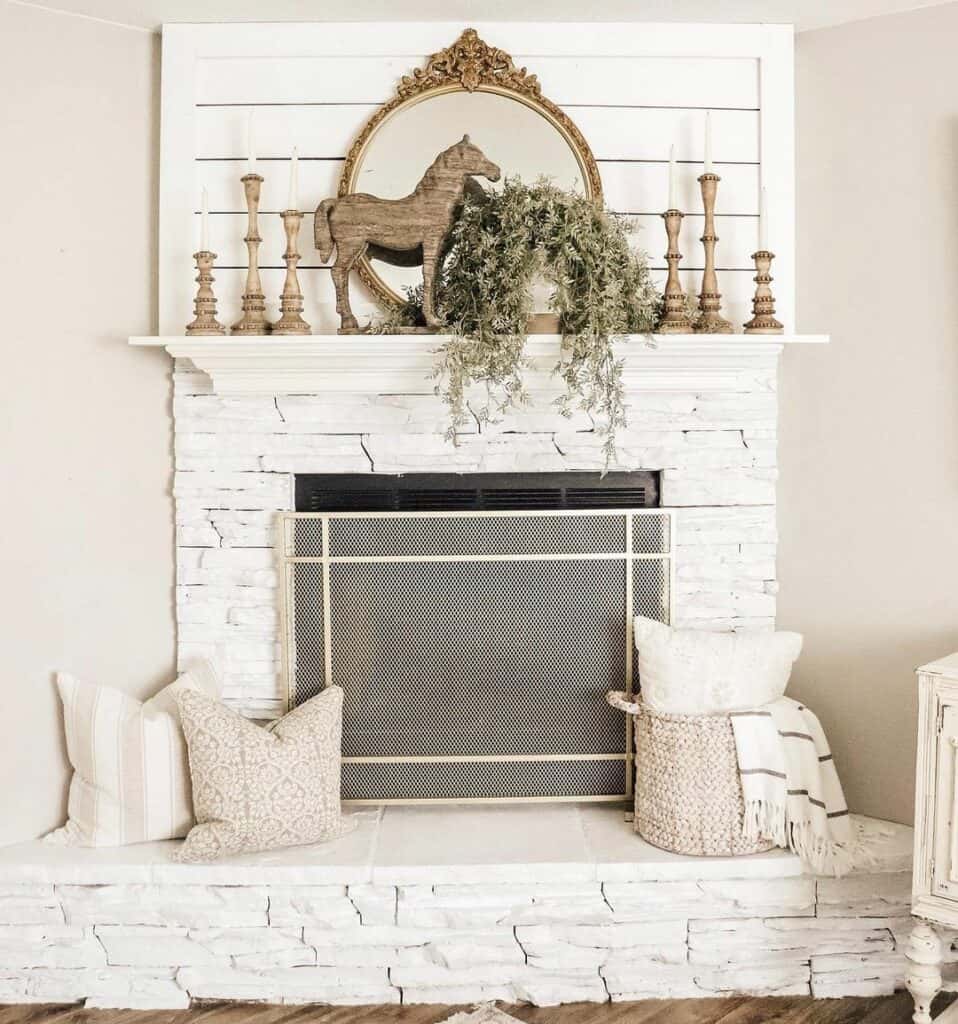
[469, 65]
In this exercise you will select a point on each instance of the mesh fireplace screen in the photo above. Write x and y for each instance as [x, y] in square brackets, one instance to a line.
[474, 648]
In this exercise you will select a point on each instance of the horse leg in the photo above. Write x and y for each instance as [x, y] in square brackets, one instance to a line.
[346, 255]
[430, 260]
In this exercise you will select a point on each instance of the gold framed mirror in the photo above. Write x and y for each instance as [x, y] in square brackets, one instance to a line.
[468, 88]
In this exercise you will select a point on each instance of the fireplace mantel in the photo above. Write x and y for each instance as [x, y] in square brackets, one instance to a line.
[402, 364]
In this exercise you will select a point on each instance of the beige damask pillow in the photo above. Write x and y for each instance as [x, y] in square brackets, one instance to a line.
[259, 789]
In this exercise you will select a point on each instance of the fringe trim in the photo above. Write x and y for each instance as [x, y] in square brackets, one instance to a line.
[765, 819]
[821, 853]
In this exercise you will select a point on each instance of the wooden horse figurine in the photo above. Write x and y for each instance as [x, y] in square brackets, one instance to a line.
[403, 232]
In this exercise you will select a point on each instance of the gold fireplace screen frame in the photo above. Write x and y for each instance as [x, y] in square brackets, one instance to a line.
[287, 559]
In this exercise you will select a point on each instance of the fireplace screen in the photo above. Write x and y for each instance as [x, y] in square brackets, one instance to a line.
[474, 648]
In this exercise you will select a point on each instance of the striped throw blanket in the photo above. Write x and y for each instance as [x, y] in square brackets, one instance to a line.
[792, 792]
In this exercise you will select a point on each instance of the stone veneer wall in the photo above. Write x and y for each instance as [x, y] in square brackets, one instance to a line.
[236, 456]
[158, 945]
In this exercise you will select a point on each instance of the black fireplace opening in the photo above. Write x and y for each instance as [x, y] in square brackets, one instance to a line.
[475, 492]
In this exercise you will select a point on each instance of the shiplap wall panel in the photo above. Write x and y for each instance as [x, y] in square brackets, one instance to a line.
[598, 81]
[294, 80]
[639, 187]
[613, 133]
[634, 90]
[738, 236]
[609, 40]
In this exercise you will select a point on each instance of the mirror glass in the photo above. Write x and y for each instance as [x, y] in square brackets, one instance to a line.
[517, 137]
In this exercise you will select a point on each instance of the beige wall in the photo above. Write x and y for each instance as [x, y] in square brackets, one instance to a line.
[869, 425]
[86, 539]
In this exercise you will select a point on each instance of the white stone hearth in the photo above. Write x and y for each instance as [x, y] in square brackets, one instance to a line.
[545, 904]
[703, 411]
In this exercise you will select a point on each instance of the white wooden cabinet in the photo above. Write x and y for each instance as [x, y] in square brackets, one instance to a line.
[935, 880]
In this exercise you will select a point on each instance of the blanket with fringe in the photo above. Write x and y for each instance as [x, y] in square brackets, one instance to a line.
[792, 792]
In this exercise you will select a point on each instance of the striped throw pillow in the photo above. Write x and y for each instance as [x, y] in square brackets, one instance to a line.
[131, 775]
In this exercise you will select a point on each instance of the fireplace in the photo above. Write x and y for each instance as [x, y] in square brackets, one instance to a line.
[475, 623]
[705, 421]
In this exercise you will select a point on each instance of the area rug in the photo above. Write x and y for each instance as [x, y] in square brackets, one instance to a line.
[484, 1014]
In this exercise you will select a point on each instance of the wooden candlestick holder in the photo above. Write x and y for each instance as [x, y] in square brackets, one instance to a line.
[204, 304]
[254, 319]
[676, 319]
[291, 301]
[711, 320]
[763, 302]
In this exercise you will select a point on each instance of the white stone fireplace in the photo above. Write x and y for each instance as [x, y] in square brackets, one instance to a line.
[702, 413]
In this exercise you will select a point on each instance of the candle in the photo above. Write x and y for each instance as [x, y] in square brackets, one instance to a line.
[292, 203]
[708, 142]
[671, 205]
[763, 223]
[205, 223]
[250, 145]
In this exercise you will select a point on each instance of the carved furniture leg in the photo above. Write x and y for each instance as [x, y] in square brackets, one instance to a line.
[923, 979]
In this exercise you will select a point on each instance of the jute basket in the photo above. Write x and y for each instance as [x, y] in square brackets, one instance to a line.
[688, 797]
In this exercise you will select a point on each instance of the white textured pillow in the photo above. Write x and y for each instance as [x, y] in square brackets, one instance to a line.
[691, 672]
[131, 776]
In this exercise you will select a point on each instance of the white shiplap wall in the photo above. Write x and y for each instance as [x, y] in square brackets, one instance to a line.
[632, 89]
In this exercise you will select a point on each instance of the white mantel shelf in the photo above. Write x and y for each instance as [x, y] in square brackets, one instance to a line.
[402, 364]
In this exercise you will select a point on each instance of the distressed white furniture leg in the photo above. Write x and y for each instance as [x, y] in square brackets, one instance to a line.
[923, 979]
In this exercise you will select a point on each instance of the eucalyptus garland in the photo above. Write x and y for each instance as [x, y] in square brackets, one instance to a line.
[502, 242]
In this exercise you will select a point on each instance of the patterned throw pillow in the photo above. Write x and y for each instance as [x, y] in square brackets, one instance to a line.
[259, 789]
[131, 776]
[694, 672]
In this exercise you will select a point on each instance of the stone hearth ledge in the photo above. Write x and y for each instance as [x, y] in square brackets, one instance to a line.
[365, 364]
[544, 904]
[441, 845]
[414, 845]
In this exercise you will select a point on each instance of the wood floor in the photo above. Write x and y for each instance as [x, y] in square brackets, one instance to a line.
[893, 1010]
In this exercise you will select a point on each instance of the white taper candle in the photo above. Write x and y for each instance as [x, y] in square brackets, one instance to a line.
[763, 222]
[708, 142]
[250, 144]
[204, 222]
[671, 205]
[292, 203]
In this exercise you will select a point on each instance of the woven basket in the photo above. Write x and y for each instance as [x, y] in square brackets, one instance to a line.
[688, 796]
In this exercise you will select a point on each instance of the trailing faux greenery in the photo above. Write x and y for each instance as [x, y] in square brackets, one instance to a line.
[500, 245]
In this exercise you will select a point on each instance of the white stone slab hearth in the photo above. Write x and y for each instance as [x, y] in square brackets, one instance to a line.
[546, 904]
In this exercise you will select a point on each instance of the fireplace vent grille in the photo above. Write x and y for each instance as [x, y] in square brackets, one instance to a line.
[474, 492]
[474, 648]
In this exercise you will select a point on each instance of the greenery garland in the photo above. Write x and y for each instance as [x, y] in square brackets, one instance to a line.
[499, 245]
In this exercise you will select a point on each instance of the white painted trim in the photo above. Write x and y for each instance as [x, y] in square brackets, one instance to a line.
[384, 364]
[177, 186]
[580, 39]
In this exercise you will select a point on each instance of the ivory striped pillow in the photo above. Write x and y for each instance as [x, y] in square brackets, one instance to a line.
[131, 775]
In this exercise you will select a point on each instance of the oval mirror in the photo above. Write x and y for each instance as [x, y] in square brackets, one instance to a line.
[474, 89]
